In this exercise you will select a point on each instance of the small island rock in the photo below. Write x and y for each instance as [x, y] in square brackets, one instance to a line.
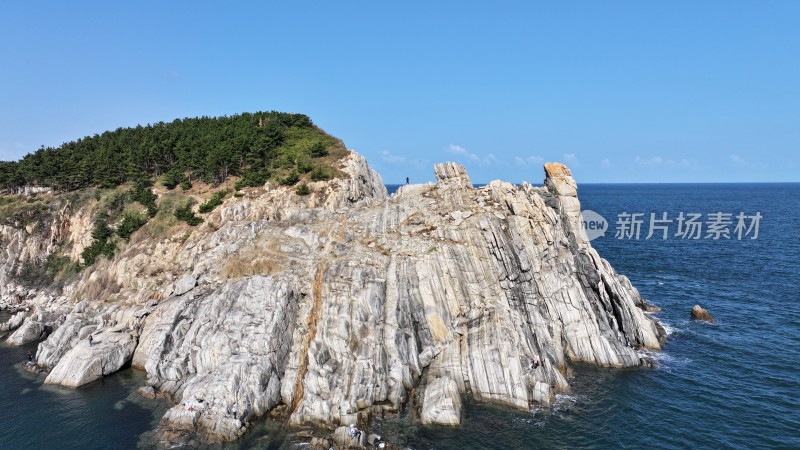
[698, 313]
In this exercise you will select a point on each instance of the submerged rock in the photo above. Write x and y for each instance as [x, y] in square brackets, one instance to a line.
[346, 304]
[698, 313]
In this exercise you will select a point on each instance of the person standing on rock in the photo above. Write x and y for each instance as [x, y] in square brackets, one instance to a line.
[30, 356]
[534, 362]
[91, 340]
[407, 180]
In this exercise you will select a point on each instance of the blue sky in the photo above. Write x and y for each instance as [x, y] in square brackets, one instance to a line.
[679, 91]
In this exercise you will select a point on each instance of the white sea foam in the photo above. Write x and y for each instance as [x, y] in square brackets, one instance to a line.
[664, 361]
[669, 329]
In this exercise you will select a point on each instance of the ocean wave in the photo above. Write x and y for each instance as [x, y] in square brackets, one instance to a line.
[664, 361]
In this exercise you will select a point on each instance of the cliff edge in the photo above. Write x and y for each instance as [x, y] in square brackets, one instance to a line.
[342, 305]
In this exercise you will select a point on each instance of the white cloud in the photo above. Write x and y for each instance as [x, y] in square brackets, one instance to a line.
[657, 161]
[741, 162]
[653, 161]
[605, 163]
[460, 151]
[457, 149]
[528, 160]
[390, 158]
[571, 159]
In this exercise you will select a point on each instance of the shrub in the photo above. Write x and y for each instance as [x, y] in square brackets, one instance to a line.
[253, 179]
[186, 214]
[186, 185]
[214, 201]
[318, 150]
[102, 245]
[320, 174]
[131, 222]
[291, 179]
[304, 166]
[170, 180]
[143, 194]
[303, 189]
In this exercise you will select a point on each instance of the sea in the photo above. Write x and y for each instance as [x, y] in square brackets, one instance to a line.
[733, 383]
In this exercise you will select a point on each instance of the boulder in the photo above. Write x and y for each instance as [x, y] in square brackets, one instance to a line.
[30, 331]
[698, 313]
[111, 350]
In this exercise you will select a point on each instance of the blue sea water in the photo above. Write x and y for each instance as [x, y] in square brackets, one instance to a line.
[734, 383]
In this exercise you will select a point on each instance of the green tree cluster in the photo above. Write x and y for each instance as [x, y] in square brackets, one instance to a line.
[251, 145]
[102, 244]
[214, 201]
[186, 214]
[131, 222]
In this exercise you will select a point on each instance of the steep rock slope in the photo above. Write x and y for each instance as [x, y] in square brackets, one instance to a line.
[346, 304]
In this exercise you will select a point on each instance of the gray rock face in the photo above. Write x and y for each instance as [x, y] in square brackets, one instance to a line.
[14, 322]
[30, 331]
[341, 305]
[223, 354]
[441, 403]
[185, 284]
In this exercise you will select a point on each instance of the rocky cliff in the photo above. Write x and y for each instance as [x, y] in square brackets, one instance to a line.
[340, 306]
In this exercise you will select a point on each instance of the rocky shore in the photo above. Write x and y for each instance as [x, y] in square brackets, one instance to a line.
[338, 307]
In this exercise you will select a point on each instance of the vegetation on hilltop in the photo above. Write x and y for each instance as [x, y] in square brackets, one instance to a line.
[254, 146]
[121, 167]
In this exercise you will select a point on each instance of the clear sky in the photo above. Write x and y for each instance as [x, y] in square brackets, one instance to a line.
[620, 91]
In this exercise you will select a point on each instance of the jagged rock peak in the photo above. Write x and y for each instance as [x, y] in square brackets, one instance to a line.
[365, 183]
[558, 179]
[450, 173]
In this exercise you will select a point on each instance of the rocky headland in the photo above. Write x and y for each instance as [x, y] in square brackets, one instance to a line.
[336, 307]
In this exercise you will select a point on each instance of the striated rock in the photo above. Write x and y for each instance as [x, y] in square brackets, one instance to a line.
[698, 313]
[452, 174]
[441, 403]
[224, 353]
[340, 306]
[83, 364]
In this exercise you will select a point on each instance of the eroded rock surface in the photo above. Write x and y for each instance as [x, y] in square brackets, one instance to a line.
[344, 304]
